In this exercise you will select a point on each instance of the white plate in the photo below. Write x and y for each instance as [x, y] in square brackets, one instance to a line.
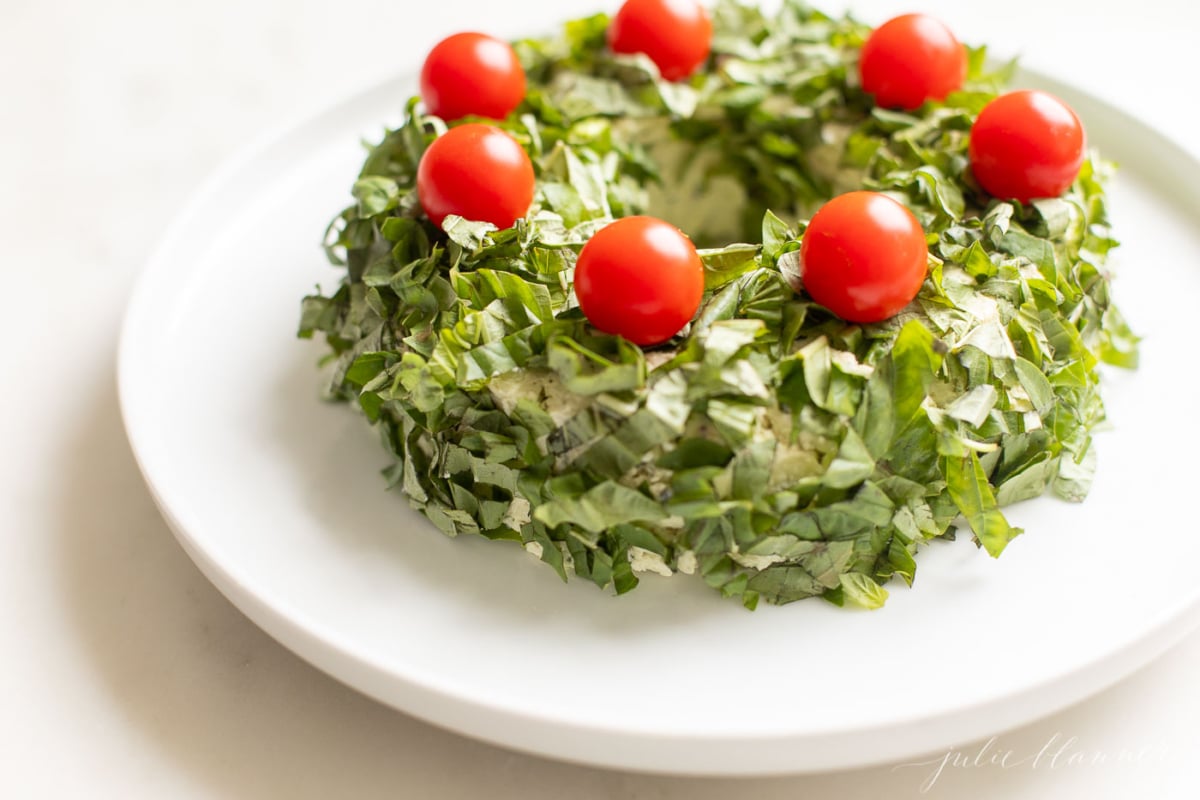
[278, 498]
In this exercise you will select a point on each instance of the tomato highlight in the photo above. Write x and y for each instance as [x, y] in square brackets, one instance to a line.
[911, 59]
[472, 74]
[640, 278]
[476, 171]
[675, 34]
[1027, 145]
[863, 257]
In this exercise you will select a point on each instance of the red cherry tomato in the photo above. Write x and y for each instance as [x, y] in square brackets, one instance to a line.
[1025, 145]
[640, 278]
[472, 73]
[863, 257]
[476, 171]
[911, 59]
[675, 34]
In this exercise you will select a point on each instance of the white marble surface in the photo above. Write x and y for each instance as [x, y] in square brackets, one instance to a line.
[125, 674]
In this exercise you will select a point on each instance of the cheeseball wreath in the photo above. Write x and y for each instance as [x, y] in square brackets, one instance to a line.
[770, 300]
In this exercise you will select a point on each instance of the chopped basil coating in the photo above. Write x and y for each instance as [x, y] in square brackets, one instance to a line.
[770, 448]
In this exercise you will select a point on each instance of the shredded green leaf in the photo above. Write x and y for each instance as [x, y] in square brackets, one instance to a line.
[771, 449]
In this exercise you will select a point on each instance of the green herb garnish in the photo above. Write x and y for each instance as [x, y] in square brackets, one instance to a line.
[772, 449]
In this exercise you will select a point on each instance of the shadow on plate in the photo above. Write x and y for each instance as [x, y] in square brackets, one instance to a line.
[338, 461]
[244, 718]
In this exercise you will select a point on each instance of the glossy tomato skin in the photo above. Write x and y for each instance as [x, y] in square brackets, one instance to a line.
[911, 59]
[639, 278]
[675, 34]
[1027, 145]
[472, 74]
[476, 171]
[863, 257]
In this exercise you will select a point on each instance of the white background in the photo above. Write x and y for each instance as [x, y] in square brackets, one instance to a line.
[124, 673]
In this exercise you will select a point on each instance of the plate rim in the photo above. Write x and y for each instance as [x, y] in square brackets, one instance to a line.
[330, 653]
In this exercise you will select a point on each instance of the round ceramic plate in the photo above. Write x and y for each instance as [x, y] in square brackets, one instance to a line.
[278, 498]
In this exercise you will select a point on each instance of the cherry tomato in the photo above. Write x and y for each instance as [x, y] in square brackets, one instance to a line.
[863, 257]
[476, 171]
[472, 73]
[675, 34]
[910, 59]
[1025, 145]
[640, 278]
